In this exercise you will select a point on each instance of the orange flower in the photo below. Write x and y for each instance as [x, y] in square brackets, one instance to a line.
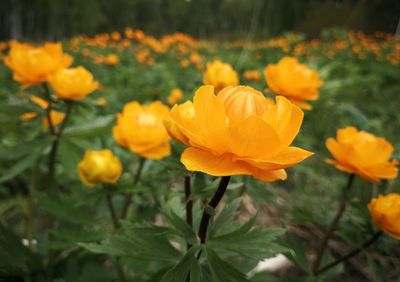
[33, 65]
[111, 59]
[140, 128]
[237, 132]
[295, 81]
[174, 96]
[55, 116]
[253, 75]
[73, 83]
[362, 153]
[220, 75]
[385, 212]
[99, 167]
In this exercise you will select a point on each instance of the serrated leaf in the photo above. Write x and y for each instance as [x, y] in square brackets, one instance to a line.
[222, 270]
[180, 272]
[223, 218]
[181, 227]
[297, 252]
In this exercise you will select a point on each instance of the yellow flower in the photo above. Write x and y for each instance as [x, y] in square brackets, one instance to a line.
[102, 102]
[385, 212]
[73, 83]
[140, 128]
[295, 81]
[55, 116]
[220, 75]
[252, 75]
[237, 132]
[99, 167]
[33, 65]
[362, 153]
[174, 96]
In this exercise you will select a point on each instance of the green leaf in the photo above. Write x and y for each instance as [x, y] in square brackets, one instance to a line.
[180, 272]
[181, 227]
[15, 259]
[296, 252]
[23, 163]
[64, 208]
[223, 271]
[95, 128]
[252, 242]
[223, 218]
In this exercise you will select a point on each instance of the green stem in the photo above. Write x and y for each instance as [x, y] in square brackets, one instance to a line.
[128, 197]
[30, 224]
[352, 253]
[332, 226]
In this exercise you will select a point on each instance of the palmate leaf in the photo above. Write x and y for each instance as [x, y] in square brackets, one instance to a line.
[222, 270]
[180, 227]
[143, 242]
[64, 208]
[249, 241]
[27, 153]
[180, 271]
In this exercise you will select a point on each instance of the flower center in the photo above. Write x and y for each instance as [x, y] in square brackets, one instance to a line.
[146, 119]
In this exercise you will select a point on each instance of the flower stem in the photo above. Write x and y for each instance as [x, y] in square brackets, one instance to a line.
[117, 226]
[332, 226]
[56, 142]
[111, 209]
[189, 203]
[205, 219]
[49, 108]
[128, 197]
[352, 253]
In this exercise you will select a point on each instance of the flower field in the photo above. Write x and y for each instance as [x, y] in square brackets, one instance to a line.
[126, 157]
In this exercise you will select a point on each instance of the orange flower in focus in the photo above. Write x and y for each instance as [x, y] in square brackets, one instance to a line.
[33, 65]
[220, 75]
[362, 153]
[295, 81]
[140, 128]
[174, 96]
[252, 75]
[73, 83]
[385, 212]
[237, 132]
[55, 116]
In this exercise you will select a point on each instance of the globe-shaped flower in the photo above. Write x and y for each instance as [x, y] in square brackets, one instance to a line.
[362, 153]
[73, 83]
[99, 167]
[385, 212]
[295, 81]
[140, 128]
[237, 132]
[220, 75]
[174, 96]
[33, 65]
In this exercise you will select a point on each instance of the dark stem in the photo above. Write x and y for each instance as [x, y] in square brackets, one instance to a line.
[332, 226]
[189, 203]
[205, 219]
[352, 253]
[49, 108]
[128, 197]
[56, 143]
[114, 217]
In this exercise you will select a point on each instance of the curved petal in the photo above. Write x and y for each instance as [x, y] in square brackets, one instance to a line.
[195, 159]
[270, 175]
